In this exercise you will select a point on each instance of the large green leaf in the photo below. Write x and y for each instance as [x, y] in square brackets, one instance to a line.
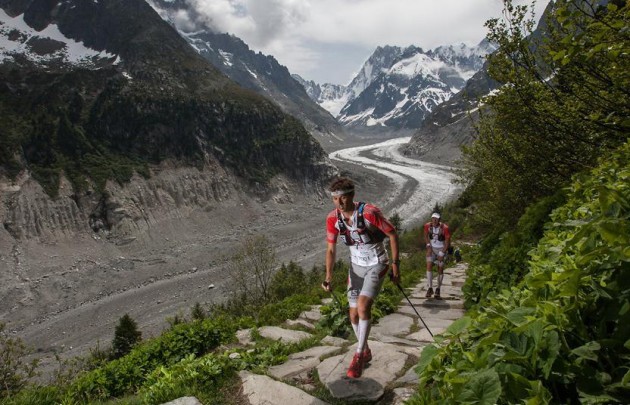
[428, 353]
[459, 325]
[483, 388]
[588, 351]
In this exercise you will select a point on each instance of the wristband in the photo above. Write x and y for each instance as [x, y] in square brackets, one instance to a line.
[428, 245]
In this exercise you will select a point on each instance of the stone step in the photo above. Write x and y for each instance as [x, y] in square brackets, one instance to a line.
[263, 390]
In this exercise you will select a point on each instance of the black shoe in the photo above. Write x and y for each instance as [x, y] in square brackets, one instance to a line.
[437, 293]
[429, 292]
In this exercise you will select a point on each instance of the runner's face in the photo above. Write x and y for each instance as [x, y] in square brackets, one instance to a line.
[344, 202]
[435, 221]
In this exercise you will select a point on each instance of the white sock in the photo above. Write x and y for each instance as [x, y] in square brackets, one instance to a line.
[440, 278]
[429, 279]
[355, 327]
[364, 330]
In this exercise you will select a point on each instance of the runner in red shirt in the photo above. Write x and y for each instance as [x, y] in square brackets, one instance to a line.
[438, 238]
[362, 228]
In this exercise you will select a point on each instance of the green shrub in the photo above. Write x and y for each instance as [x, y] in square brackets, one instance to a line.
[15, 371]
[562, 334]
[127, 374]
[502, 260]
[287, 281]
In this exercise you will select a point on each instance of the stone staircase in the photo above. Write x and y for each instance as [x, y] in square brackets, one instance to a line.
[396, 342]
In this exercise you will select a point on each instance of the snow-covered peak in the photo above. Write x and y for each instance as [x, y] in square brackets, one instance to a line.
[418, 64]
[380, 61]
[47, 45]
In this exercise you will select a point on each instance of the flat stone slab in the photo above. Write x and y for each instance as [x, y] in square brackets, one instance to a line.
[284, 335]
[334, 341]
[393, 324]
[184, 401]
[432, 312]
[244, 337]
[423, 334]
[443, 303]
[410, 377]
[401, 395]
[392, 339]
[263, 390]
[313, 315]
[300, 322]
[301, 362]
[387, 362]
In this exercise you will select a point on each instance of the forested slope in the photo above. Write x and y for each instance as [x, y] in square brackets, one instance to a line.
[549, 188]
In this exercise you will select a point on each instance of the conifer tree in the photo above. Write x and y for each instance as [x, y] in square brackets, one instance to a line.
[126, 336]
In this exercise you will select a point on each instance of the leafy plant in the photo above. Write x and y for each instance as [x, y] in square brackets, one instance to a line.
[15, 371]
[560, 335]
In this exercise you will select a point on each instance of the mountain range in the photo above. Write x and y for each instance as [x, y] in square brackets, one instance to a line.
[397, 87]
[452, 124]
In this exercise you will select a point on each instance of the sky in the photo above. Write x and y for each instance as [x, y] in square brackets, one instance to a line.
[329, 40]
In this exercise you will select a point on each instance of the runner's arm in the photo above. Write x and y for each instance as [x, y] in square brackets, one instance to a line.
[331, 254]
[393, 243]
[447, 238]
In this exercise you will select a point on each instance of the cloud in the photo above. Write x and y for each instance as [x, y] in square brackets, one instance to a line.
[299, 32]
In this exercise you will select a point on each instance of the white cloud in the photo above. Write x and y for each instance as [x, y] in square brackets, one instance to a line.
[299, 32]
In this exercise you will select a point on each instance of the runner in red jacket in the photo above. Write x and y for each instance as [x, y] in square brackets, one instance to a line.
[362, 227]
[438, 238]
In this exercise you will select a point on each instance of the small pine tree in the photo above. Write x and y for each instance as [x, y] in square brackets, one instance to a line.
[437, 208]
[197, 313]
[126, 336]
[396, 220]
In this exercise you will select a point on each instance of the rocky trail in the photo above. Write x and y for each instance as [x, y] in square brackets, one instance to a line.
[396, 342]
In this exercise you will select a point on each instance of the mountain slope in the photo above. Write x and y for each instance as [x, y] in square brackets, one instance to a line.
[148, 99]
[255, 71]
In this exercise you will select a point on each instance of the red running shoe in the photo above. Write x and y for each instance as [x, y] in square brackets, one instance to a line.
[367, 355]
[356, 366]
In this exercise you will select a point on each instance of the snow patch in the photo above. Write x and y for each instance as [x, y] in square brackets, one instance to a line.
[16, 37]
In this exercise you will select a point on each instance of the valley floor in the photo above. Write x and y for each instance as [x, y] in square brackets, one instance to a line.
[82, 286]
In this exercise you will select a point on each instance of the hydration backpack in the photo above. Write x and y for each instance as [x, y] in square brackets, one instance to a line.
[441, 236]
[365, 235]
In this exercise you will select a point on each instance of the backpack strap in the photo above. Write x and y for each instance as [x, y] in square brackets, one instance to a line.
[360, 220]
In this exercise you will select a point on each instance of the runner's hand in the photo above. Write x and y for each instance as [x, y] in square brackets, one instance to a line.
[395, 278]
[327, 286]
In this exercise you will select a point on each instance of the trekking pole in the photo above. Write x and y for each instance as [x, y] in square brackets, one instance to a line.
[332, 292]
[414, 308]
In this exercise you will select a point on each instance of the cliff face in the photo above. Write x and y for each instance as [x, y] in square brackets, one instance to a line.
[121, 212]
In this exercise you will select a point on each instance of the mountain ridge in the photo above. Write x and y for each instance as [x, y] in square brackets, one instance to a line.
[397, 87]
[254, 71]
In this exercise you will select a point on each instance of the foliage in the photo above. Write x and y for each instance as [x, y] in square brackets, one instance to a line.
[197, 313]
[563, 103]
[15, 371]
[289, 308]
[204, 374]
[501, 260]
[396, 220]
[126, 336]
[250, 272]
[562, 334]
[287, 281]
[126, 374]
